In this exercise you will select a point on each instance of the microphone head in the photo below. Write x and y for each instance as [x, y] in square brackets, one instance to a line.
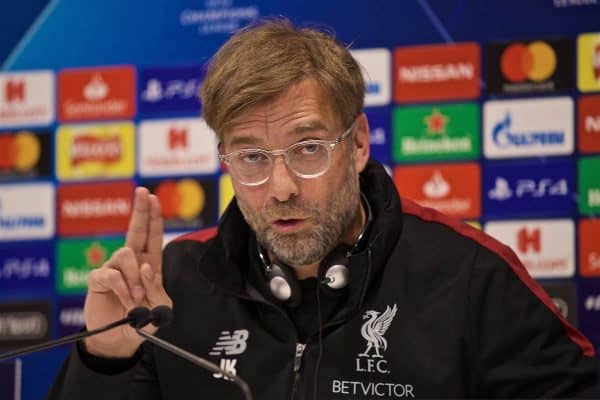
[138, 315]
[161, 316]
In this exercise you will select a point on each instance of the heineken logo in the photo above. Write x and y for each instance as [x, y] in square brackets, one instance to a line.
[430, 133]
[436, 122]
[589, 185]
[77, 257]
[95, 255]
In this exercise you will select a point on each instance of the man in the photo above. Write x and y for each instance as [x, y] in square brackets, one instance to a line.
[319, 282]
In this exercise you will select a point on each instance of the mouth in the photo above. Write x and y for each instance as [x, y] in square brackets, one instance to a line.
[288, 225]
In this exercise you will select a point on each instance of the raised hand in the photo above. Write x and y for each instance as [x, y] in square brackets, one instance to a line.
[131, 277]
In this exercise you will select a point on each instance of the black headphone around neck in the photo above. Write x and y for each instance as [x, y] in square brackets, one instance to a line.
[333, 274]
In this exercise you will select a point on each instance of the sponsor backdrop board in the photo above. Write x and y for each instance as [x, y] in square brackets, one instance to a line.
[436, 132]
[25, 154]
[546, 247]
[96, 93]
[170, 90]
[10, 379]
[27, 211]
[537, 66]
[564, 296]
[527, 189]
[380, 133]
[87, 209]
[27, 266]
[453, 189]
[28, 98]
[528, 128]
[588, 124]
[70, 315]
[24, 323]
[589, 185]
[473, 109]
[75, 258]
[589, 251]
[181, 146]
[101, 151]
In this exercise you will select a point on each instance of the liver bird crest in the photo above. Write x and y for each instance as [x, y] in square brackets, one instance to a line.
[374, 330]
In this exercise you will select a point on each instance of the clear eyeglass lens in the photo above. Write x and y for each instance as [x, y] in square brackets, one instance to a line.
[305, 159]
[250, 166]
[308, 158]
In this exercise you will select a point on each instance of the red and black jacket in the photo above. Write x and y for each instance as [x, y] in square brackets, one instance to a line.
[435, 308]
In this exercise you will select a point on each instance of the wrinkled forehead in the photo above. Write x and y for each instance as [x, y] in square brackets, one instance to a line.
[302, 108]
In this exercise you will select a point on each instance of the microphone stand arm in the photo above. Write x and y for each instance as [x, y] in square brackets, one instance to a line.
[194, 359]
[65, 340]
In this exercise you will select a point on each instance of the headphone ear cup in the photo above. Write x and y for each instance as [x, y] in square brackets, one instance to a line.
[283, 284]
[333, 272]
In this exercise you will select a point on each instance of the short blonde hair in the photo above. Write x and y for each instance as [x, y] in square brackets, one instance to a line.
[263, 60]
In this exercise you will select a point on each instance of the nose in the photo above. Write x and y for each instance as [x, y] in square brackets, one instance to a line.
[282, 183]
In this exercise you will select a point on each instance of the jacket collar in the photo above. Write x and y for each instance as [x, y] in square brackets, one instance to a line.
[229, 251]
[366, 266]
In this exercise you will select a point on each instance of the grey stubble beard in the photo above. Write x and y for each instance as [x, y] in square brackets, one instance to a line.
[329, 224]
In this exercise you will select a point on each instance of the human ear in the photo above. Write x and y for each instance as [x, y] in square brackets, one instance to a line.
[361, 142]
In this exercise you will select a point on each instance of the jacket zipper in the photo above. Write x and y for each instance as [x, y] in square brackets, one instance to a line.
[297, 364]
[299, 346]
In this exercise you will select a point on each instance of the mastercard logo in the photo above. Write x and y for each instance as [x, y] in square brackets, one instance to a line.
[535, 62]
[20, 151]
[183, 199]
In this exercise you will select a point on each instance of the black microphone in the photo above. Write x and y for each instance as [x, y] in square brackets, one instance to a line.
[162, 316]
[137, 317]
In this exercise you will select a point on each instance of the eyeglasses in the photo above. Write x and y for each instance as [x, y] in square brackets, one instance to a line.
[306, 159]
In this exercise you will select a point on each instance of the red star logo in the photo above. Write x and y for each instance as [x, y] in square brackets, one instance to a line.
[436, 122]
[95, 255]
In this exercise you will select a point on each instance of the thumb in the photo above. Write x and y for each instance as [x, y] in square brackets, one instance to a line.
[156, 294]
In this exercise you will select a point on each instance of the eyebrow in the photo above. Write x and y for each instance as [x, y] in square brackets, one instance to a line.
[244, 140]
[299, 130]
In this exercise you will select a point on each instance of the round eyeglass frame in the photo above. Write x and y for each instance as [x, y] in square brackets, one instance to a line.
[328, 144]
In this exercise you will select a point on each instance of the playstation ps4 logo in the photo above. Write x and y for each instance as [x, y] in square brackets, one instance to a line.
[373, 87]
[534, 188]
[504, 137]
[377, 136]
[174, 89]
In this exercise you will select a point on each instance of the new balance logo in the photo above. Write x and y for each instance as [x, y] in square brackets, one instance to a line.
[230, 343]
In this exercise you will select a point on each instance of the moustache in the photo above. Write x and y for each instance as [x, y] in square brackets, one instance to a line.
[290, 209]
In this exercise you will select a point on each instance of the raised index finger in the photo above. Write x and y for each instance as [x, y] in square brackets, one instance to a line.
[137, 232]
[155, 234]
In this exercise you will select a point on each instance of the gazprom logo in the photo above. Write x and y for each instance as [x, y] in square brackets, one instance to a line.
[505, 137]
[529, 127]
[22, 221]
[26, 211]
